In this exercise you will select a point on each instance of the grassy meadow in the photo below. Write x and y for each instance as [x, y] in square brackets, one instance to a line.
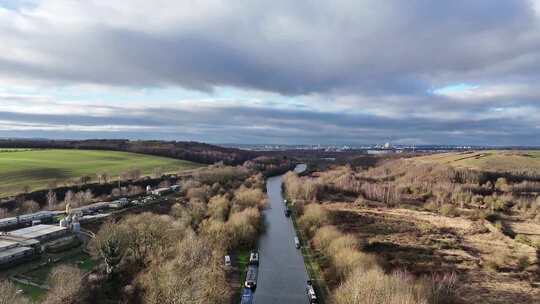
[38, 168]
[488, 160]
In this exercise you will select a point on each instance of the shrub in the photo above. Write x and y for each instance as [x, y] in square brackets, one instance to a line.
[243, 228]
[448, 210]
[347, 241]
[248, 197]
[313, 218]
[523, 262]
[375, 287]
[298, 188]
[347, 260]
[65, 284]
[201, 193]
[324, 236]
[218, 208]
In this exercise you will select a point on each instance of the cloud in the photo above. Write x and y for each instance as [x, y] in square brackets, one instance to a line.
[279, 46]
[337, 71]
[218, 123]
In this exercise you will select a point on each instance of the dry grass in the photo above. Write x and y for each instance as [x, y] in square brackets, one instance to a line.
[488, 160]
[424, 242]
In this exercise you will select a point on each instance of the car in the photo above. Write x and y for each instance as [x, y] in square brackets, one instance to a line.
[228, 260]
[251, 277]
[287, 212]
[310, 293]
[247, 296]
[254, 258]
[297, 242]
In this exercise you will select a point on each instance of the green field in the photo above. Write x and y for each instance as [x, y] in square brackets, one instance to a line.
[488, 160]
[38, 168]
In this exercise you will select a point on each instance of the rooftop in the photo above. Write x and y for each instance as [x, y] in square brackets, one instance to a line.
[5, 244]
[7, 253]
[36, 231]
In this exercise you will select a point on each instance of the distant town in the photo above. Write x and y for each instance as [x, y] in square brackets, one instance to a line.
[374, 148]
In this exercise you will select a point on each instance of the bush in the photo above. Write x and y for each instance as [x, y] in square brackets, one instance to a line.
[218, 208]
[313, 218]
[347, 260]
[243, 228]
[523, 262]
[324, 236]
[375, 287]
[65, 284]
[249, 197]
[200, 193]
[298, 188]
[347, 241]
[448, 210]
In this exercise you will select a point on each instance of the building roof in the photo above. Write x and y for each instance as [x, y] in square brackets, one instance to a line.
[36, 231]
[8, 219]
[9, 252]
[5, 244]
[39, 214]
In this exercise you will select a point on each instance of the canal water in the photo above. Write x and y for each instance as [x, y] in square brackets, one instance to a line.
[282, 274]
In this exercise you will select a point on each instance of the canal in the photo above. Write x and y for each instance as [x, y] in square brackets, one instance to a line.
[282, 274]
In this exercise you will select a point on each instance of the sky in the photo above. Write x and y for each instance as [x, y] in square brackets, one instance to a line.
[278, 72]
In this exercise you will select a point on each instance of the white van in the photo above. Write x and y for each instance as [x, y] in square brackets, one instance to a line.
[228, 260]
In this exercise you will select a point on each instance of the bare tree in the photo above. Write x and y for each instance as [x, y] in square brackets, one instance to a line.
[103, 177]
[9, 294]
[26, 188]
[29, 206]
[4, 212]
[85, 179]
[51, 199]
[68, 198]
[158, 172]
[110, 245]
[65, 284]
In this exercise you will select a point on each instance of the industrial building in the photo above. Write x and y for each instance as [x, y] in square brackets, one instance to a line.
[41, 233]
[27, 219]
[23, 244]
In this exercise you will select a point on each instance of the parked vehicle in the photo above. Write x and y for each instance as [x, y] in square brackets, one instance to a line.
[297, 242]
[228, 260]
[254, 258]
[310, 293]
[251, 277]
[247, 296]
[287, 212]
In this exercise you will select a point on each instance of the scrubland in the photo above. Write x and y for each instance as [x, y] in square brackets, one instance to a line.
[420, 231]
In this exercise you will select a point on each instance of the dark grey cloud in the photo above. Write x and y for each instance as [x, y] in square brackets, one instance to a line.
[281, 46]
[364, 70]
[267, 125]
